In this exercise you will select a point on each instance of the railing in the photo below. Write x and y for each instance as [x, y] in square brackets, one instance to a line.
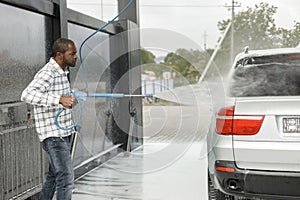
[23, 165]
[157, 85]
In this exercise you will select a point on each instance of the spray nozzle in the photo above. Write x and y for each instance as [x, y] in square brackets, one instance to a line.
[79, 95]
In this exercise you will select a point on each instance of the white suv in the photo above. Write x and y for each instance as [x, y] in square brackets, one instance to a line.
[254, 140]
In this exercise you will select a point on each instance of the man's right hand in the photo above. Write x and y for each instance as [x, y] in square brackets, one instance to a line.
[67, 101]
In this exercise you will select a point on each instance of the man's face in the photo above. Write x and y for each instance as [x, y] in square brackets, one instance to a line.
[70, 56]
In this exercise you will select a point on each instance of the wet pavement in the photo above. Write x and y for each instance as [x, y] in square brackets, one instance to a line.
[171, 165]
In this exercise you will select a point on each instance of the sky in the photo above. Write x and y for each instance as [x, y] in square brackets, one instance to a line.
[195, 19]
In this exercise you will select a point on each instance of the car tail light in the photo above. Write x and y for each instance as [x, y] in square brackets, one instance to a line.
[229, 124]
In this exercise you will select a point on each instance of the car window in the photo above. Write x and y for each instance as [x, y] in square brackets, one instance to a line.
[275, 75]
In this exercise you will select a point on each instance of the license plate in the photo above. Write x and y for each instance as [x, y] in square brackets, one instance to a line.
[291, 125]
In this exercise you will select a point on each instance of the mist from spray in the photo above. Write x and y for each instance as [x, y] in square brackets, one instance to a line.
[189, 120]
[266, 76]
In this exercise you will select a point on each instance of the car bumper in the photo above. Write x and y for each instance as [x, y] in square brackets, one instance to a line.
[251, 183]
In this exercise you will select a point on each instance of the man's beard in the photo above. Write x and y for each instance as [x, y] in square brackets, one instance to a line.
[70, 64]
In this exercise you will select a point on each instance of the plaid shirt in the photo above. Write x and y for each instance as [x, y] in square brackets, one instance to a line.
[44, 93]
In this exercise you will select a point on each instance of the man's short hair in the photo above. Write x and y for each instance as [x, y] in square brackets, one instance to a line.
[61, 45]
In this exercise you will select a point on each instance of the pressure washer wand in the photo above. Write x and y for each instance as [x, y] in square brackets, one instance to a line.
[79, 95]
[82, 95]
[138, 95]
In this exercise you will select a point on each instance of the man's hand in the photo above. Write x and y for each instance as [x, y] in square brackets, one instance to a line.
[67, 101]
[84, 90]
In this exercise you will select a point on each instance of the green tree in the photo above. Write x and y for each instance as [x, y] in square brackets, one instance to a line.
[289, 38]
[256, 29]
[149, 64]
[147, 57]
[187, 63]
[177, 63]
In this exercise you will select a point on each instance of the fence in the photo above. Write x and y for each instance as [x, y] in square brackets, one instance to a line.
[157, 85]
[22, 162]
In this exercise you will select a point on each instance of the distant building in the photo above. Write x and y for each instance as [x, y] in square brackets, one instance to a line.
[148, 75]
[167, 74]
[152, 85]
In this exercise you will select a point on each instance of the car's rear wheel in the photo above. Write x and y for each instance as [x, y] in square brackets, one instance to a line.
[222, 196]
[214, 194]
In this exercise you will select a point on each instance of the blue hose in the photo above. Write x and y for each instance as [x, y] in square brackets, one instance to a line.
[89, 37]
[62, 109]
[57, 123]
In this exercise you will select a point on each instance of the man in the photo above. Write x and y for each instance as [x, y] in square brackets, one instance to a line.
[48, 92]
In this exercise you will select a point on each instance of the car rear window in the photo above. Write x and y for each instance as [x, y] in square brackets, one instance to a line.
[275, 75]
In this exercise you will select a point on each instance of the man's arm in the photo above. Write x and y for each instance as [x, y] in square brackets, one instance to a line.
[36, 92]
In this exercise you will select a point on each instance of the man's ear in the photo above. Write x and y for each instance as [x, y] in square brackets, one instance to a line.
[59, 55]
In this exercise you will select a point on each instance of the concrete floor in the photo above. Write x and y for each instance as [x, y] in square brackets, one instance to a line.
[171, 165]
[123, 178]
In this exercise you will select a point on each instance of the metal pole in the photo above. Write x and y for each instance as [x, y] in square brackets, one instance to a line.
[204, 36]
[63, 18]
[232, 32]
[233, 5]
[102, 9]
[212, 57]
[132, 12]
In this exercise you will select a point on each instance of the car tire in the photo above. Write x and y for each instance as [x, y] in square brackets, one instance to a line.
[214, 194]
[222, 196]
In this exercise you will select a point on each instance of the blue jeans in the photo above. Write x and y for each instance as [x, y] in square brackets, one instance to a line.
[60, 176]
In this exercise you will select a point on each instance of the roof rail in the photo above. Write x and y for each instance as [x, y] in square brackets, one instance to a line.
[245, 49]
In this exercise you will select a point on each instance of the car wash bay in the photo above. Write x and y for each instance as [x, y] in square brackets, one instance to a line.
[165, 151]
